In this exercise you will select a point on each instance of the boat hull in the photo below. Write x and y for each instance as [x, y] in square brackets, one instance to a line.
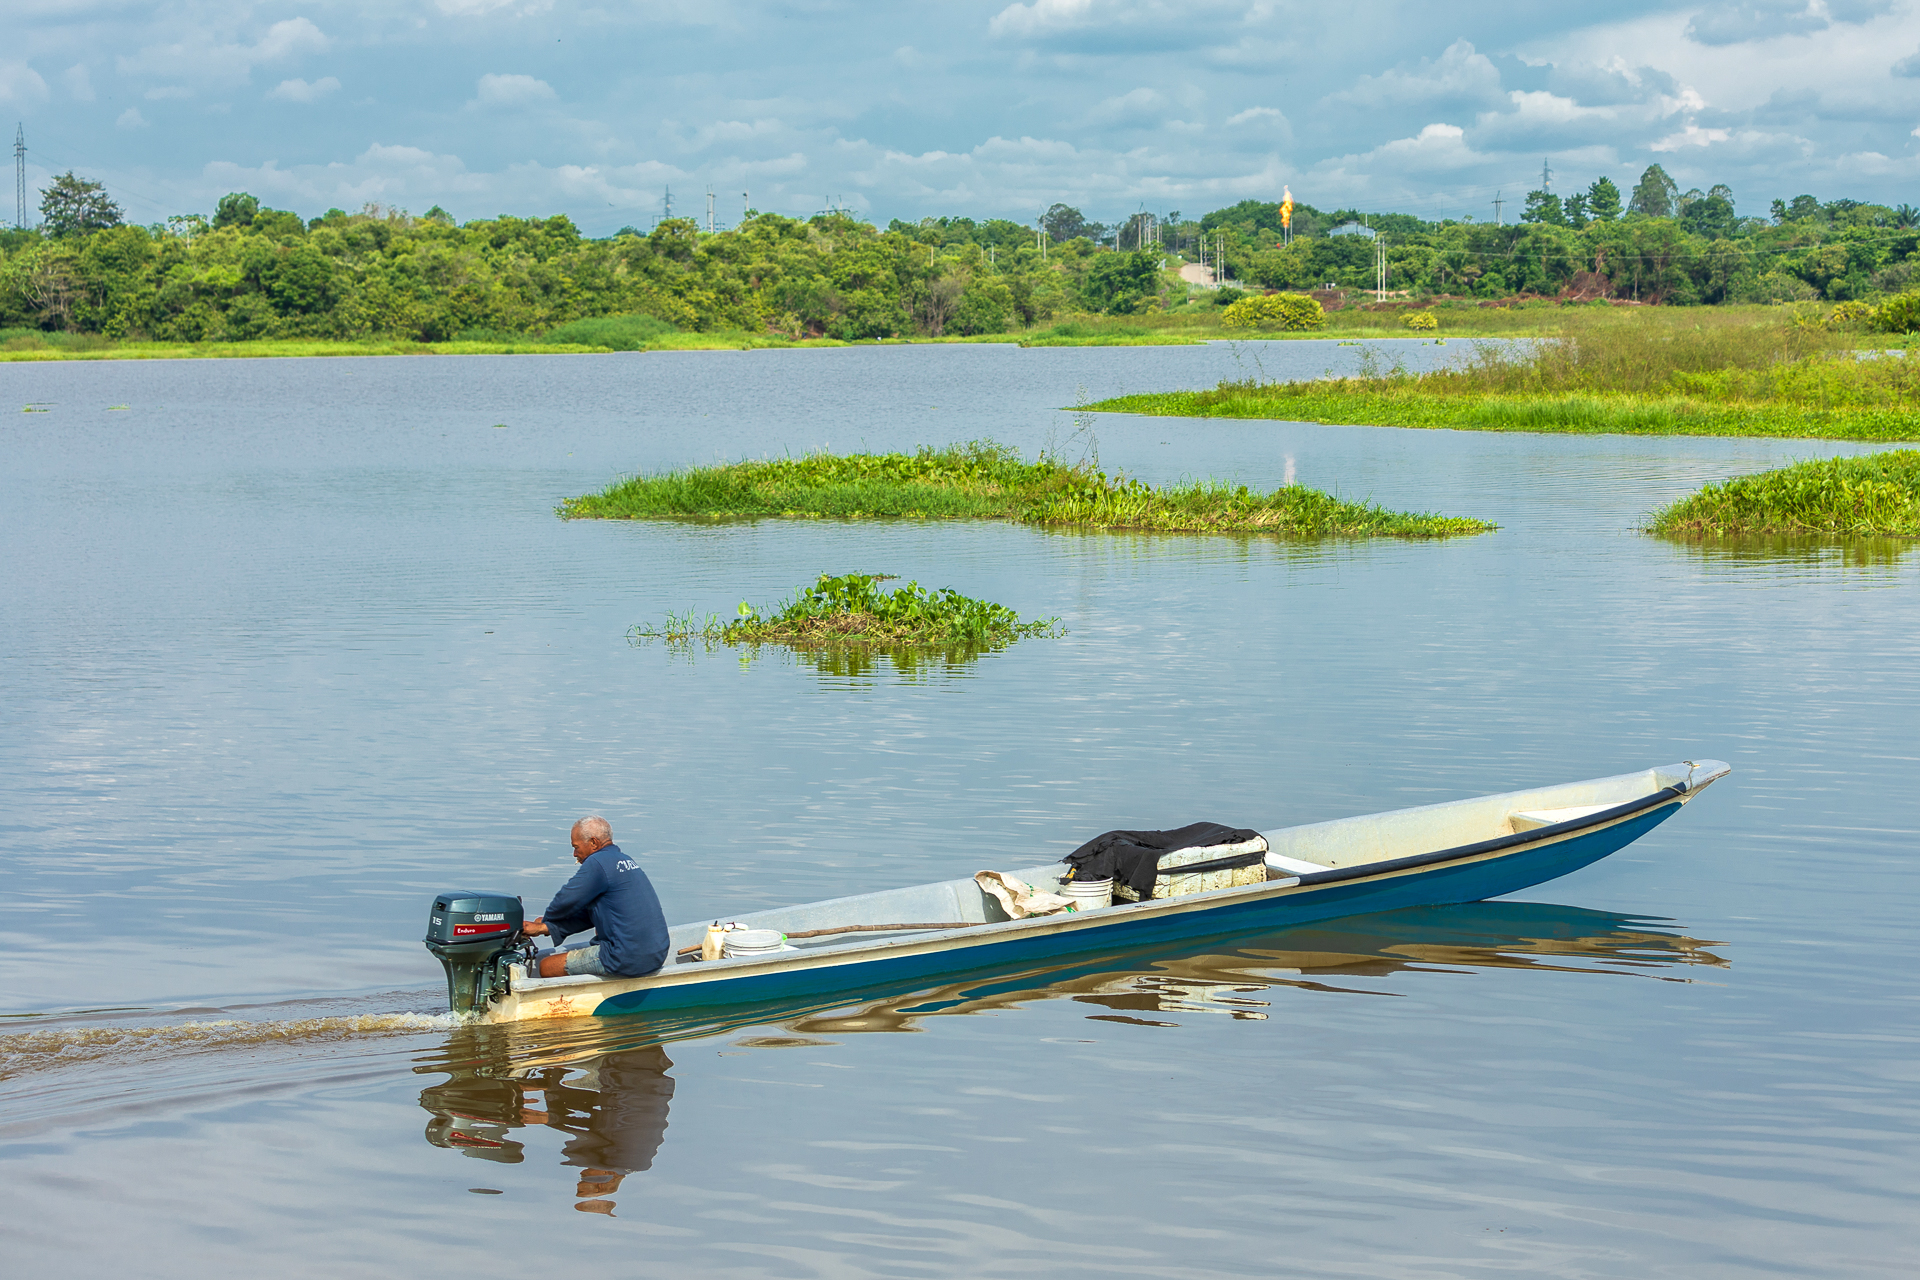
[1260, 908]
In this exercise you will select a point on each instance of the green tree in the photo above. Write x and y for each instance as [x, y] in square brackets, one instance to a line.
[1063, 223]
[74, 207]
[1122, 283]
[1575, 207]
[1544, 206]
[1710, 216]
[1603, 200]
[236, 209]
[1656, 194]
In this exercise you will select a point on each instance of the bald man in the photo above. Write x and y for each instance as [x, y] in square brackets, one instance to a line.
[612, 896]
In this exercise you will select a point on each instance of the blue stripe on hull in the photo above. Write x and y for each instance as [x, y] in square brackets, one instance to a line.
[1443, 884]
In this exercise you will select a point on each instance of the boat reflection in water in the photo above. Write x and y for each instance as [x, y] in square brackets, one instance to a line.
[604, 1081]
[613, 1107]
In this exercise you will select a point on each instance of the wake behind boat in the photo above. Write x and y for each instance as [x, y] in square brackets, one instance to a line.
[1459, 851]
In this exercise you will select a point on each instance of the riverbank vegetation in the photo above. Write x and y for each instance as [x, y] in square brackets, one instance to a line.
[852, 609]
[983, 480]
[249, 274]
[1869, 494]
[1666, 372]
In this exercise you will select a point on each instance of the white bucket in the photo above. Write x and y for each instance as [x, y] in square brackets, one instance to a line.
[1089, 895]
[754, 942]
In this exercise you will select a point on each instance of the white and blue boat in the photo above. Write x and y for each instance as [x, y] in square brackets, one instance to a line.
[1458, 851]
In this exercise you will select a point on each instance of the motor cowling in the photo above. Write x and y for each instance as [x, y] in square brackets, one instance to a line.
[474, 933]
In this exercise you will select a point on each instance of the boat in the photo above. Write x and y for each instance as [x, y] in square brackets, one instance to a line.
[1430, 855]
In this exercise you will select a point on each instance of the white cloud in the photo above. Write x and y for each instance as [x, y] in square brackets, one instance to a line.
[511, 91]
[131, 119]
[480, 8]
[1041, 17]
[200, 61]
[1691, 136]
[300, 91]
[79, 83]
[21, 85]
[1136, 107]
[295, 35]
[1458, 74]
[1252, 114]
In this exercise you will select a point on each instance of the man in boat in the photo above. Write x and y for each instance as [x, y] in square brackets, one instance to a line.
[612, 896]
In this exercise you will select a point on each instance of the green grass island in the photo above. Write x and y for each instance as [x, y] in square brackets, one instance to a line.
[984, 480]
[1669, 372]
[1874, 494]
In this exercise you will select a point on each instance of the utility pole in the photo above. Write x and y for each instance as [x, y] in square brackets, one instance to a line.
[1497, 202]
[666, 205]
[709, 208]
[746, 207]
[1379, 268]
[20, 177]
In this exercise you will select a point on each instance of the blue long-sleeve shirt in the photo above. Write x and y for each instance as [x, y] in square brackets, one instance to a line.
[611, 895]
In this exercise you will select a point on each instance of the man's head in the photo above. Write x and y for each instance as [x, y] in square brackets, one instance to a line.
[590, 835]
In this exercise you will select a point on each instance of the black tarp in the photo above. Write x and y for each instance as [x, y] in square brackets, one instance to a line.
[1133, 857]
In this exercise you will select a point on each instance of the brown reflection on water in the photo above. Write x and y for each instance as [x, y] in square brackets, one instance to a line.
[613, 1109]
[605, 1082]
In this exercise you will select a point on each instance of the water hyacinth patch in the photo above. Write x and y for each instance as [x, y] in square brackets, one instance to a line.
[852, 609]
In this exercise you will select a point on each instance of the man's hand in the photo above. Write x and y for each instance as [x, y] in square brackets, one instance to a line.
[535, 928]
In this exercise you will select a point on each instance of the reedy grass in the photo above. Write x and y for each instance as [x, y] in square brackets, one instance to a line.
[1866, 495]
[983, 480]
[1628, 372]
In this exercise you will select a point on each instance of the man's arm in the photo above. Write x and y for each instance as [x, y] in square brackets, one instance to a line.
[571, 910]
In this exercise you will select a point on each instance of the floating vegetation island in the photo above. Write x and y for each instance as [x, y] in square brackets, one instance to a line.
[1870, 494]
[983, 480]
[838, 618]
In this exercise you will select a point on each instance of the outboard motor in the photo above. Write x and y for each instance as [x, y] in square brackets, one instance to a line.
[475, 933]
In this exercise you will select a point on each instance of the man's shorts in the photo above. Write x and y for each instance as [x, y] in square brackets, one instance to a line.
[585, 960]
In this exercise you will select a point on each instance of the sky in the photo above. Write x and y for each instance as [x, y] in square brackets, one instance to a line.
[984, 109]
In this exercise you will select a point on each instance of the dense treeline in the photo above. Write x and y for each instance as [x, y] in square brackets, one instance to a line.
[251, 272]
[1660, 245]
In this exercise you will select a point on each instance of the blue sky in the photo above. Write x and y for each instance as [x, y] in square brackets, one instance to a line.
[989, 109]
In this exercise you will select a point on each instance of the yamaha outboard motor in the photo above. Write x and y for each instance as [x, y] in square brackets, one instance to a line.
[476, 934]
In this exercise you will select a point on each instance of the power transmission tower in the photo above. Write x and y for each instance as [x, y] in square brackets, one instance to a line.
[20, 177]
[666, 205]
[709, 210]
[1546, 177]
[1497, 202]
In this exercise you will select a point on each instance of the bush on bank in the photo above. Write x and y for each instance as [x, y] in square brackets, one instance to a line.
[1291, 311]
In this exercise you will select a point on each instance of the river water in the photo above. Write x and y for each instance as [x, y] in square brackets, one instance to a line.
[288, 646]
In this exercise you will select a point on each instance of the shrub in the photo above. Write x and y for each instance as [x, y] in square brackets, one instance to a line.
[1899, 314]
[1852, 315]
[1422, 321]
[1227, 296]
[1275, 311]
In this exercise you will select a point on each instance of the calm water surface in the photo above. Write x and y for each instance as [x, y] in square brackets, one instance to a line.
[287, 646]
